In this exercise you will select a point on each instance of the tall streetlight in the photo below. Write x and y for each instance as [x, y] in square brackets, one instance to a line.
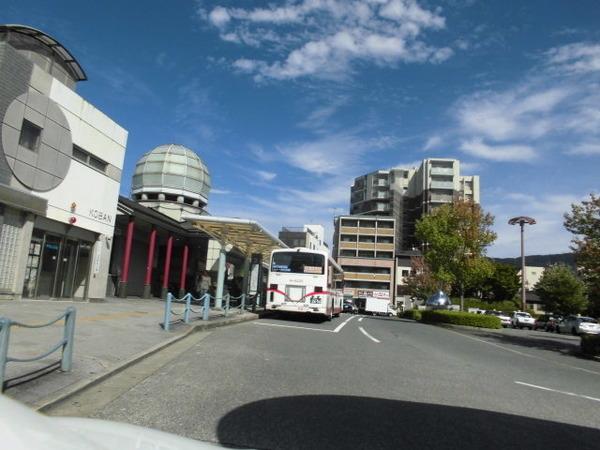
[522, 220]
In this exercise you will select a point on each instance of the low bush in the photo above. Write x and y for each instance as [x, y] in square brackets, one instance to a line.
[413, 314]
[590, 344]
[461, 318]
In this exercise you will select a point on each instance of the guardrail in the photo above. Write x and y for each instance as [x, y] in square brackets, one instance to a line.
[66, 343]
[206, 302]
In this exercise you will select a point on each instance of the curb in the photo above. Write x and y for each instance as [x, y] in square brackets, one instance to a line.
[69, 391]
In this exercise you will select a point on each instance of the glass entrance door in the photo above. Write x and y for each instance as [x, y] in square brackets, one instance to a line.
[62, 270]
[66, 269]
[47, 276]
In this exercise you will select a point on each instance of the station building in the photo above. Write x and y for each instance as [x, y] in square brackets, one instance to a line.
[60, 170]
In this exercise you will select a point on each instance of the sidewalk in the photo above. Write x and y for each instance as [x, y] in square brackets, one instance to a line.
[107, 335]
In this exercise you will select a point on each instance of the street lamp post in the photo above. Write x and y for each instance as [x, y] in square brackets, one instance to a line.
[522, 220]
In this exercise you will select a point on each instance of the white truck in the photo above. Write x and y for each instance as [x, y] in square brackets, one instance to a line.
[378, 306]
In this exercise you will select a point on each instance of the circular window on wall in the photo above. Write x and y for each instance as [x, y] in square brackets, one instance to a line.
[37, 142]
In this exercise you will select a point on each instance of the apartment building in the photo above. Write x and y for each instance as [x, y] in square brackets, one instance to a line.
[407, 193]
[364, 247]
[308, 236]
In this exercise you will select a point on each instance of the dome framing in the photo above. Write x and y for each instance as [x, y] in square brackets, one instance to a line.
[171, 172]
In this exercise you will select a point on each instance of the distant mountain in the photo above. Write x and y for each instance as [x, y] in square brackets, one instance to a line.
[540, 260]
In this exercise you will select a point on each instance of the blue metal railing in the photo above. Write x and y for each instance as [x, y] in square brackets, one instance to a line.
[206, 302]
[66, 343]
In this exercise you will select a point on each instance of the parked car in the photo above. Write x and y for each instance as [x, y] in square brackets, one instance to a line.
[522, 320]
[504, 318]
[350, 308]
[546, 322]
[578, 324]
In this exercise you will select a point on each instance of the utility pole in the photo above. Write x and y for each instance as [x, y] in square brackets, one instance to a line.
[522, 220]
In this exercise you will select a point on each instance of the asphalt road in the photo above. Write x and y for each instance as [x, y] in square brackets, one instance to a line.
[370, 383]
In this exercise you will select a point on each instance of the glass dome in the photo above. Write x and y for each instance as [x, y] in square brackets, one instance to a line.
[438, 299]
[170, 172]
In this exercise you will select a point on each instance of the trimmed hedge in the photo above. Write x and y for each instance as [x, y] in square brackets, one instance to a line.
[461, 318]
[590, 344]
[508, 306]
[413, 314]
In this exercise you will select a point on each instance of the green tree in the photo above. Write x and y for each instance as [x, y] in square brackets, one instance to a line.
[456, 237]
[584, 223]
[561, 291]
[503, 284]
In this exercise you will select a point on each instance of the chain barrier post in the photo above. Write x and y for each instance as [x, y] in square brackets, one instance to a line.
[243, 302]
[188, 306]
[227, 300]
[4, 338]
[206, 307]
[69, 334]
[167, 318]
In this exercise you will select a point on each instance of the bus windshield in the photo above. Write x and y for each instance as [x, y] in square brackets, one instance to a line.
[298, 262]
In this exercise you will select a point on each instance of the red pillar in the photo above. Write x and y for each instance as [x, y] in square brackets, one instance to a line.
[165, 286]
[184, 266]
[126, 258]
[149, 261]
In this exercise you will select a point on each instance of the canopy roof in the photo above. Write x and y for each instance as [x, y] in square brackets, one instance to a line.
[247, 235]
[61, 52]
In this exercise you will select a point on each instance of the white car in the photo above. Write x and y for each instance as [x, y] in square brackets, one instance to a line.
[504, 319]
[522, 320]
[578, 324]
[23, 429]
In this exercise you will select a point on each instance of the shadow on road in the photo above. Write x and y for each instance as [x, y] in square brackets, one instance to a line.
[550, 342]
[298, 317]
[327, 422]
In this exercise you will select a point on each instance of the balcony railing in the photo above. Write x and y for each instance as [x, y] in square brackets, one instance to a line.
[442, 171]
[442, 184]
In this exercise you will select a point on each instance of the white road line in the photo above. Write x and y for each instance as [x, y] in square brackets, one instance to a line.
[527, 355]
[572, 394]
[361, 319]
[368, 335]
[293, 326]
[341, 325]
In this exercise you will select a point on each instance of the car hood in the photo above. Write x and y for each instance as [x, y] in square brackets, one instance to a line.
[23, 429]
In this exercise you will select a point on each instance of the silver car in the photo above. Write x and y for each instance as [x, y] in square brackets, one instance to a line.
[522, 320]
[578, 324]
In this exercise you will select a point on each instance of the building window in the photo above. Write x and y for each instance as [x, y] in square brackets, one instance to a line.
[30, 136]
[385, 255]
[405, 273]
[95, 163]
[348, 253]
[98, 164]
[80, 155]
[365, 254]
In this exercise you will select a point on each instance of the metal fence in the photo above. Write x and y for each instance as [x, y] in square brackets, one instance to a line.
[206, 303]
[66, 343]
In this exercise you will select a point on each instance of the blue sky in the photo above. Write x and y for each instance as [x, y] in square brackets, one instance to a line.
[288, 101]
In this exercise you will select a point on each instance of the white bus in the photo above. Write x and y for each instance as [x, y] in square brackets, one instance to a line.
[305, 281]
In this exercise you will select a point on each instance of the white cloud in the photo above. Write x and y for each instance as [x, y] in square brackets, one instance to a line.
[524, 112]
[219, 17]
[409, 165]
[432, 143]
[547, 236]
[586, 148]
[219, 191]
[265, 176]
[550, 109]
[336, 154]
[466, 166]
[477, 147]
[331, 35]
[580, 57]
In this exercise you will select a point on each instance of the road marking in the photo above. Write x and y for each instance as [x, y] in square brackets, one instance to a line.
[361, 319]
[337, 329]
[368, 335]
[572, 394]
[341, 325]
[527, 355]
[292, 326]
